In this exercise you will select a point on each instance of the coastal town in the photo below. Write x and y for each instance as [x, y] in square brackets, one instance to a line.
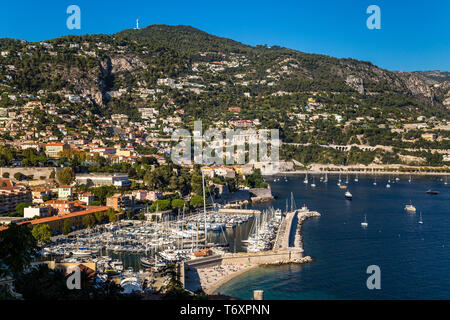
[89, 131]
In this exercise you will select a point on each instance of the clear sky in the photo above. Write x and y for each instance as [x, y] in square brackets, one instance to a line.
[414, 34]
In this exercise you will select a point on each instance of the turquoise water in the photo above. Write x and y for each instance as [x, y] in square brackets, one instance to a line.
[414, 258]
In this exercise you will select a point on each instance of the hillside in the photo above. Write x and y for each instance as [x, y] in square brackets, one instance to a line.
[186, 74]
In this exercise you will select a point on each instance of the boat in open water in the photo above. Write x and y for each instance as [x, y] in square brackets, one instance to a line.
[410, 208]
[364, 223]
[348, 195]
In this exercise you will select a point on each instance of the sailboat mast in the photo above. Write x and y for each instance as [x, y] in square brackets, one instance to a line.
[204, 201]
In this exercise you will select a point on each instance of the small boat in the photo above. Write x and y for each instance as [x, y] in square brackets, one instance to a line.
[343, 187]
[432, 192]
[388, 185]
[446, 182]
[306, 179]
[82, 252]
[375, 181]
[326, 178]
[364, 224]
[230, 224]
[409, 179]
[420, 219]
[397, 179]
[348, 195]
[146, 262]
[356, 178]
[313, 184]
[410, 208]
[346, 181]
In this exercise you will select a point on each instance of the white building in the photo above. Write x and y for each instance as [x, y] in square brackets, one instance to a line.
[32, 212]
[97, 180]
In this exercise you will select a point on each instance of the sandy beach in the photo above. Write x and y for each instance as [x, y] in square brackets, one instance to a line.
[211, 278]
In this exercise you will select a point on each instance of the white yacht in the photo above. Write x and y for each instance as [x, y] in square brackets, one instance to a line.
[348, 195]
[410, 208]
[131, 284]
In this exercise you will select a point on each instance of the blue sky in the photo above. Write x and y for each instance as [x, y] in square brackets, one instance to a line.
[414, 35]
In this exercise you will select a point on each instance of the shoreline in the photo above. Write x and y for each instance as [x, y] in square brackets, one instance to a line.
[304, 216]
[213, 290]
[361, 173]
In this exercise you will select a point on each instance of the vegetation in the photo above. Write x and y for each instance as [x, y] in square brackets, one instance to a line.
[17, 248]
[42, 233]
[66, 176]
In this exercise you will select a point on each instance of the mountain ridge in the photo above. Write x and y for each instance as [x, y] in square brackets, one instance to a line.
[98, 66]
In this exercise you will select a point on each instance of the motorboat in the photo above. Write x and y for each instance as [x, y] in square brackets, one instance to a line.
[131, 284]
[364, 223]
[146, 262]
[410, 208]
[348, 195]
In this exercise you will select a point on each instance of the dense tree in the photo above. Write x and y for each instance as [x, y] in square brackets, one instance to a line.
[42, 233]
[66, 176]
[17, 248]
[21, 206]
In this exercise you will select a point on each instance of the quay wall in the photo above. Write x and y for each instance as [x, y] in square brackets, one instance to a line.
[267, 257]
[239, 211]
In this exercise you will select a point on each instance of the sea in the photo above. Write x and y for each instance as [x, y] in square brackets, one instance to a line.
[413, 258]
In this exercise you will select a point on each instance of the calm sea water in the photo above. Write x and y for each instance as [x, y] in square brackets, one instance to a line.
[414, 258]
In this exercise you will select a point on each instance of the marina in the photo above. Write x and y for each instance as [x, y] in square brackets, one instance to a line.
[236, 240]
[342, 247]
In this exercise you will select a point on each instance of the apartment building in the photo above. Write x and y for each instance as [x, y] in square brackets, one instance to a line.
[53, 149]
[11, 195]
[120, 202]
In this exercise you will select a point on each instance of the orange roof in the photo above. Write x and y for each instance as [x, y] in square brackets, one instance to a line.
[89, 210]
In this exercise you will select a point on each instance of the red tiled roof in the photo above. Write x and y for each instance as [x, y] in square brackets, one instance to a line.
[90, 209]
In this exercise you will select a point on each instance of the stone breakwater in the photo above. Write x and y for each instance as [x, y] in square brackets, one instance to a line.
[306, 259]
[302, 216]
